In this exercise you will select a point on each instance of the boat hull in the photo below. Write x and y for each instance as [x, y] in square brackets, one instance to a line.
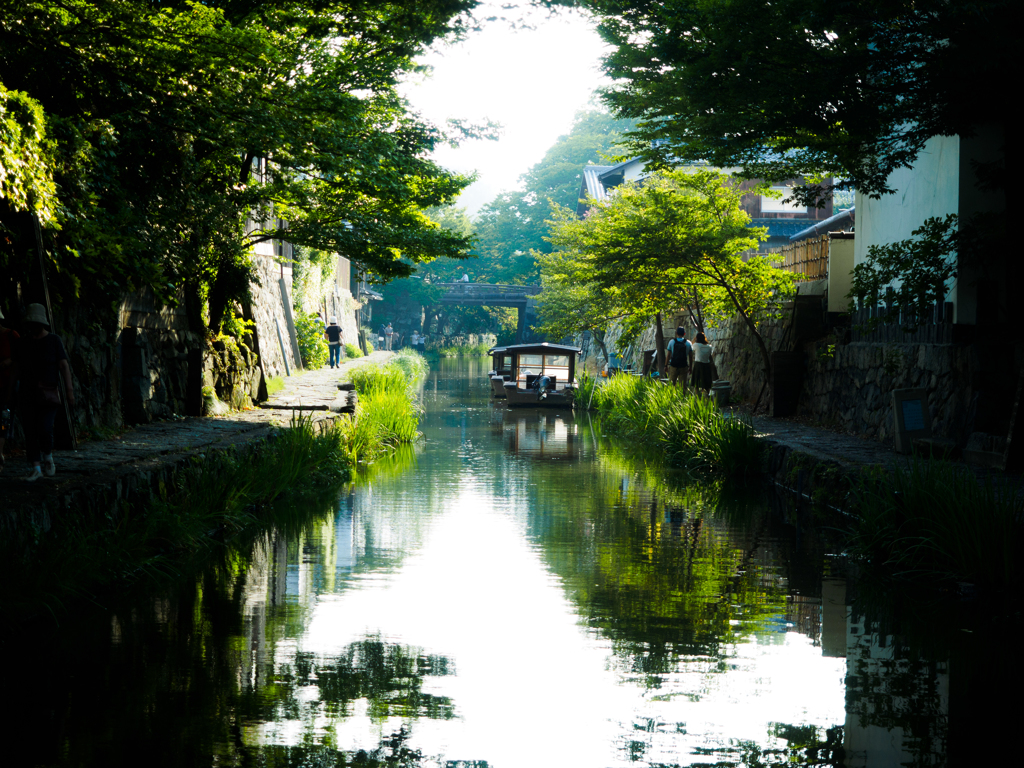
[530, 398]
[498, 386]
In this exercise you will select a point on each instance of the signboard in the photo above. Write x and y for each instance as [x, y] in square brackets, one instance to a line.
[911, 417]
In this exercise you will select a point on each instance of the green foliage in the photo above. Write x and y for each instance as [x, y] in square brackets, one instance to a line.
[312, 344]
[352, 351]
[460, 350]
[26, 172]
[412, 364]
[679, 237]
[713, 81]
[934, 520]
[387, 414]
[922, 266]
[186, 133]
[688, 430]
[514, 226]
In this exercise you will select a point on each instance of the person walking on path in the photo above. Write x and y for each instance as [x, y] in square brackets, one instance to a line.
[703, 359]
[389, 334]
[41, 362]
[680, 355]
[8, 341]
[334, 341]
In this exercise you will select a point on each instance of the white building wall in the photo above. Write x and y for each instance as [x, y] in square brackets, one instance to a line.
[931, 188]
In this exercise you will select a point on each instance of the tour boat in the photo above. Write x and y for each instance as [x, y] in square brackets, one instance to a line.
[541, 375]
[500, 371]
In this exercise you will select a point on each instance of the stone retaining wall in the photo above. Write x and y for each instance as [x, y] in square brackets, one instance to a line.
[845, 386]
[849, 386]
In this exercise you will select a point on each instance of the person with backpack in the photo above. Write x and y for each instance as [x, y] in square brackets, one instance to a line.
[334, 342]
[680, 354]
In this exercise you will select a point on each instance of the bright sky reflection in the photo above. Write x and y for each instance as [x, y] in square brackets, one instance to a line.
[532, 686]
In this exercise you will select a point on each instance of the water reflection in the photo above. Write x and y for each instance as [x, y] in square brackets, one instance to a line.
[512, 593]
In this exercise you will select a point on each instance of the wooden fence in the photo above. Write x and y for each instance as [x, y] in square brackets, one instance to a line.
[808, 259]
[880, 324]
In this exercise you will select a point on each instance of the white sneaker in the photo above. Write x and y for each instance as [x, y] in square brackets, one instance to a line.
[48, 467]
[34, 475]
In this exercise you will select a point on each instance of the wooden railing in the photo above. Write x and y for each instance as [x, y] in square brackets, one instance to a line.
[808, 259]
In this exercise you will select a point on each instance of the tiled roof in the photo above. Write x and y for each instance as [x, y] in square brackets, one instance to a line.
[782, 227]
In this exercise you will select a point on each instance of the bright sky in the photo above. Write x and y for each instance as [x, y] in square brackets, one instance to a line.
[530, 81]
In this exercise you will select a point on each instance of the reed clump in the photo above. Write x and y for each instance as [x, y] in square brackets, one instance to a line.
[686, 428]
[387, 414]
[934, 520]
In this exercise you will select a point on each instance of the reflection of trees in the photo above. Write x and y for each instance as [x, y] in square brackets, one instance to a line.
[196, 671]
[666, 571]
[388, 676]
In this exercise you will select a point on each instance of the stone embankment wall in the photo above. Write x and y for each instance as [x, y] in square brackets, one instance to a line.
[845, 386]
[313, 293]
[849, 386]
[132, 367]
[269, 315]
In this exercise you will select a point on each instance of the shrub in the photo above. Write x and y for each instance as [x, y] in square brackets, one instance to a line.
[312, 344]
[352, 351]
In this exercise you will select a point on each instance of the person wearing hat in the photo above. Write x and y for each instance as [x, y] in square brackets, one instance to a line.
[680, 353]
[41, 362]
[8, 341]
[333, 334]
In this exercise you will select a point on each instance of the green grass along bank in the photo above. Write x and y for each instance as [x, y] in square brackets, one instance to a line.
[924, 519]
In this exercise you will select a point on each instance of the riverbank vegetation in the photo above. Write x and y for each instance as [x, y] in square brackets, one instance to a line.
[935, 521]
[461, 350]
[686, 429]
[387, 414]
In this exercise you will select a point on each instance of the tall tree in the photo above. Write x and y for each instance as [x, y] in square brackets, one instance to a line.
[514, 224]
[652, 248]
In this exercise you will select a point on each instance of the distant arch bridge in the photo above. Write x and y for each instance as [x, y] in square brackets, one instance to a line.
[522, 297]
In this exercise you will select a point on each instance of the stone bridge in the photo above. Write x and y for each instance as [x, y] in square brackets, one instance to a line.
[522, 297]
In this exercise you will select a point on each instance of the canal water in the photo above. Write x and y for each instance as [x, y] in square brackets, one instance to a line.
[514, 591]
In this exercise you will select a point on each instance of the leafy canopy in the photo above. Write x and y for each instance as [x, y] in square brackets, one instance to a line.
[792, 88]
[183, 133]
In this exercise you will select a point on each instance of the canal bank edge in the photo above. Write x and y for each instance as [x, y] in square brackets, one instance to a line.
[112, 477]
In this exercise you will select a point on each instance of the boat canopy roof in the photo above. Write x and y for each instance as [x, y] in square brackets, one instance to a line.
[495, 350]
[543, 348]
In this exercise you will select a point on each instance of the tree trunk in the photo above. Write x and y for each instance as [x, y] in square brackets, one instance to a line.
[659, 340]
[698, 319]
[598, 336]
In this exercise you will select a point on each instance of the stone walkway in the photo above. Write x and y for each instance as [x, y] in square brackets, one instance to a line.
[100, 462]
[849, 451]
